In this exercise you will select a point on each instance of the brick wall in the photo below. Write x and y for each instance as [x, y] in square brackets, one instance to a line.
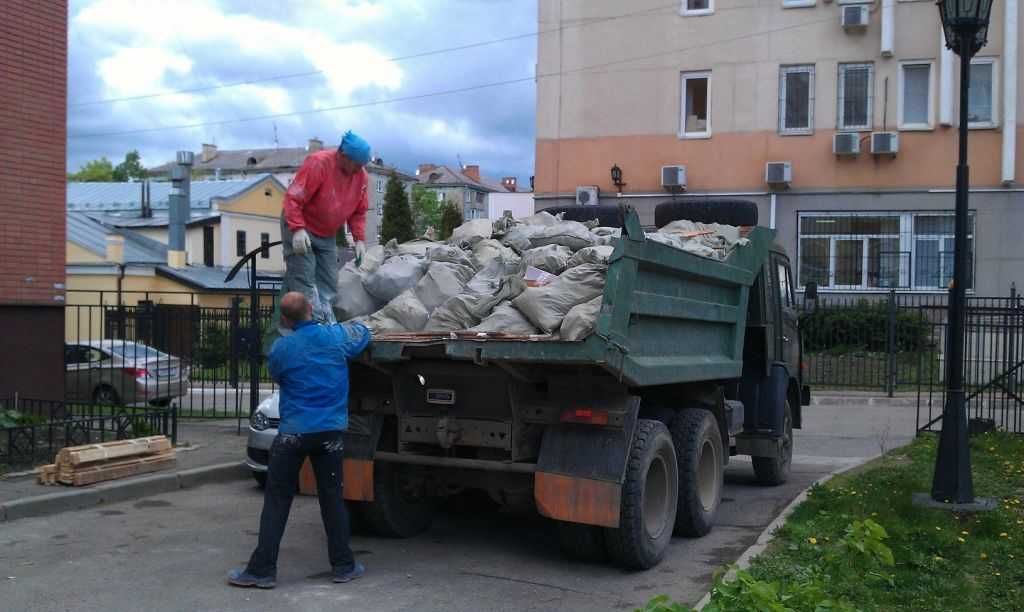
[33, 105]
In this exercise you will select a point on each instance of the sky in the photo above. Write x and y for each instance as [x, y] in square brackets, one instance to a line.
[354, 48]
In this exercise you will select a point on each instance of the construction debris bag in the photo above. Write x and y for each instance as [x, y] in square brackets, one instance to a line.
[542, 218]
[405, 313]
[449, 254]
[580, 321]
[591, 255]
[572, 234]
[486, 251]
[553, 258]
[470, 233]
[505, 319]
[547, 306]
[394, 276]
[352, 300]
[488, 280]
[469, 309]
[372, 258]
[518, 238]
[711, 240]
[418, 247]
[607, 231]
[441, 281]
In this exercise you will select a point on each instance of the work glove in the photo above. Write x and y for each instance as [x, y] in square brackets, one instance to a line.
[360, 251]
[300, 242]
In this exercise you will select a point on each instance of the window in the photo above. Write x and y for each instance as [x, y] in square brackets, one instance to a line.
[380, 184]
[785, 289]
[208, 245]
[479, 197]
[915, 99]
[440, 196]
[856, 85]
[240, 243]
[693, 8]
[380, 208]
[981, 93]
[264, 241]
[871, 251]
[796, 99]
[696, 105]
[797, 3]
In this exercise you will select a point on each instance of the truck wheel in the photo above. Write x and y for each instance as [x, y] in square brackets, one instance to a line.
[775, 470]
[396, 512]
[647, 511]
[701, 472]
[728, 212]
[582, 542]
[608, 215]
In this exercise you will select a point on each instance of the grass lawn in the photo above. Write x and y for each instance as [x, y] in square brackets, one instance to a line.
[830, 556]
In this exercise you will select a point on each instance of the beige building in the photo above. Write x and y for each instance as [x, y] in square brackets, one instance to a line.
[838, 118]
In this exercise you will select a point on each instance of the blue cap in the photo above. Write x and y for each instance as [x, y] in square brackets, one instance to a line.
[355, 148]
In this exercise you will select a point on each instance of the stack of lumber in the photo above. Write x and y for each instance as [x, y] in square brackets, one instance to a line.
[92, 463]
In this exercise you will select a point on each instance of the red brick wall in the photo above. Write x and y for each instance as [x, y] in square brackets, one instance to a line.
[33, 105]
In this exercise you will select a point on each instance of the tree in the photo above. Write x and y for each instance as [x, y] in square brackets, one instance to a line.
[426, 210]
[95, 171]
[397, 222]
[130, 168]
[451, 218]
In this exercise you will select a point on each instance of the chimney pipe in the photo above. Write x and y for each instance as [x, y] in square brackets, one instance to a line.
[472, 172]
[115, 248]
[509, 183]
[424, 169]
[209, 152]
[179, 206]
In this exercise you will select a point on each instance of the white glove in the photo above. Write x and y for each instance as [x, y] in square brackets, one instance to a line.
[360, 251]
[300, 242]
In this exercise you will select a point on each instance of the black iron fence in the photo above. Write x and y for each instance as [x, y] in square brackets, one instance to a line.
[32, 431]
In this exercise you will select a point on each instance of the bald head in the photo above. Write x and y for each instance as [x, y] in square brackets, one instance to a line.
[294, 308]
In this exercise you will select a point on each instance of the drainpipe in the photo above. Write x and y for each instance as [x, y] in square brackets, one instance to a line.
[1010, 92]
[178, 214]
[771, 214]
[888, 27]
[945, 82]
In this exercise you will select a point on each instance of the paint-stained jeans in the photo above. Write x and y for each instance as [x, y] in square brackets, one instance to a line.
[288, 452]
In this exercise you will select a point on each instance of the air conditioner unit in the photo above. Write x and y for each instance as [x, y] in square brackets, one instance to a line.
[885, 143]
[673, 178]
[855, 16]
[587, 195]
[846, 143]
[778, 173]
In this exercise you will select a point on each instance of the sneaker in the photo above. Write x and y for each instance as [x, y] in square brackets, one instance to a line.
[242, 578]
[349, 575]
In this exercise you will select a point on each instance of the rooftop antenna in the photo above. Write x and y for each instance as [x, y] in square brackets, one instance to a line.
[275, 134]
[459, 158]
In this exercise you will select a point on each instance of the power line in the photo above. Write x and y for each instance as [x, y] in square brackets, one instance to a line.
[448, 91]
[400, 58]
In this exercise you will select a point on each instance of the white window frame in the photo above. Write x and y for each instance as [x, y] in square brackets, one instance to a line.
[380, 184]
[684, 77]
[790, 4]
[783, 71]
[685, 12]
[440, 196]
[841, 96]
[909, 127]
[987, 125]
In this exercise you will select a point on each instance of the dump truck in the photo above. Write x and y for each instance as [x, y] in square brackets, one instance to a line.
[623, 437]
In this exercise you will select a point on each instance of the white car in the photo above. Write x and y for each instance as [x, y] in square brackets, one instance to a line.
[262, 431]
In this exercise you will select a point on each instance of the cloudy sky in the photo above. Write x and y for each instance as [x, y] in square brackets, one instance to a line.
[354, 49]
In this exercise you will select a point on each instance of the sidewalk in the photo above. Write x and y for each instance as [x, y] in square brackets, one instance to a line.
[208, 451]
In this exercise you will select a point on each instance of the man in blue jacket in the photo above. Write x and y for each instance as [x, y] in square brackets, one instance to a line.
[311, 367]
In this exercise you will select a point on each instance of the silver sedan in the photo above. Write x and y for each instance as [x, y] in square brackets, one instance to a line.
[117, 372]
[262, 431]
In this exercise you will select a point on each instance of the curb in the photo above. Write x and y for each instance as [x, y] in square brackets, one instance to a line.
[113, 492]
[768, 534]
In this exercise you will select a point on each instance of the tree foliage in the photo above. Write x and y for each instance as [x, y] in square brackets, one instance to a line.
[426, 210]
[130, 168]
[451, 218]
[95, 171]
[397, 222]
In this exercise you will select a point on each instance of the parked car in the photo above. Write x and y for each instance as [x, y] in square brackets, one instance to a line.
[262, 431]
[116, 372]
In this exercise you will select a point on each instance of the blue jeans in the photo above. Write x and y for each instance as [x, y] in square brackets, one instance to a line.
[315, 273]
[325, 451]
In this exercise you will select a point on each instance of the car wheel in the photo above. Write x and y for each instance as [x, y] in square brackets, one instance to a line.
[701, 473]
[105, 395]
[774, 471]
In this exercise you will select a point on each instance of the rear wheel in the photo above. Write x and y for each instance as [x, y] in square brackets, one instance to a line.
[582, 542]
[775, 470]
[105, 395]
[397, 509]
[701, 473]
[728, 212]
[650, 491]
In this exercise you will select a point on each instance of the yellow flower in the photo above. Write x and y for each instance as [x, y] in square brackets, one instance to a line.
[938, 558]
[812, 540]
[874, 514]
[983, 556]
[991, 448]
[964, 533]
[938, 529]
[998, 574]
[961, 540]
[1004, 535]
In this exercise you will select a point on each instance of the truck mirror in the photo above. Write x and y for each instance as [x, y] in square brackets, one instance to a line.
[811, 291]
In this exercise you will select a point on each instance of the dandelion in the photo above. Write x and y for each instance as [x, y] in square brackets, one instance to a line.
[991, 448]
[1004, 535]
[983, 556]
[964, 533]
[812, 540]
[998, 574]
[938, 558]
[874, 514]
[961, 540]
[938, 529]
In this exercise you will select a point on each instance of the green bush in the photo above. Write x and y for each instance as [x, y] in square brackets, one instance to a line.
[863, 326]
[214, 348]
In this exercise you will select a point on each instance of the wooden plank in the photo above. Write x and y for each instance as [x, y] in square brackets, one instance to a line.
[89, 453]
[48, 474]
[119, 469]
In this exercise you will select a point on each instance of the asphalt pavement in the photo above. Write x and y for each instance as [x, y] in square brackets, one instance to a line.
[171, 552]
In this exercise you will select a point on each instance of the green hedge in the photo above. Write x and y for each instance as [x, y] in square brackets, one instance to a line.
[863, 326]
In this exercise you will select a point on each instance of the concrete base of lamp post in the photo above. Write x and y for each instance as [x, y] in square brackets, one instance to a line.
[980, 504]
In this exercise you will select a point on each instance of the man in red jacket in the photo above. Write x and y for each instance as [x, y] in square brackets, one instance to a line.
[329, 190]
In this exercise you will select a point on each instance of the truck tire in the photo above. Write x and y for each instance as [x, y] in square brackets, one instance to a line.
[701, 473]
[582, 542]
[394, 513]
[606, 214]
[774, 471]
[650, 491]
[728, 212]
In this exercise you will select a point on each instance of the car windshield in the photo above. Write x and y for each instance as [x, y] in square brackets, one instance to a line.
[130, 350]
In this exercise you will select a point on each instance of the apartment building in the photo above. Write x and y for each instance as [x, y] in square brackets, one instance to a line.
[838, 118]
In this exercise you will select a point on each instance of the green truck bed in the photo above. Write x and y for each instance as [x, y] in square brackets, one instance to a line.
[667, 317]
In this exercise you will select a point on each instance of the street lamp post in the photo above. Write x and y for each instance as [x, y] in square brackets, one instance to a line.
[965, 23]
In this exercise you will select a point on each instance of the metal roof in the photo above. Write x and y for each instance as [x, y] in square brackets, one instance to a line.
[91, 235]
[134, 221]
[116, 197]
[210, 277]
[442, 176]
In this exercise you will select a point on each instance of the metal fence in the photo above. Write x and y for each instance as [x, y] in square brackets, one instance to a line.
[32, 431]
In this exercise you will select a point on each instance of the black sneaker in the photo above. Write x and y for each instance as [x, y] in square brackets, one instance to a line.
[349, 575]
[242, 578]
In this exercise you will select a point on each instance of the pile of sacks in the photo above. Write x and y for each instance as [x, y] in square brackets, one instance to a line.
[535, 276]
